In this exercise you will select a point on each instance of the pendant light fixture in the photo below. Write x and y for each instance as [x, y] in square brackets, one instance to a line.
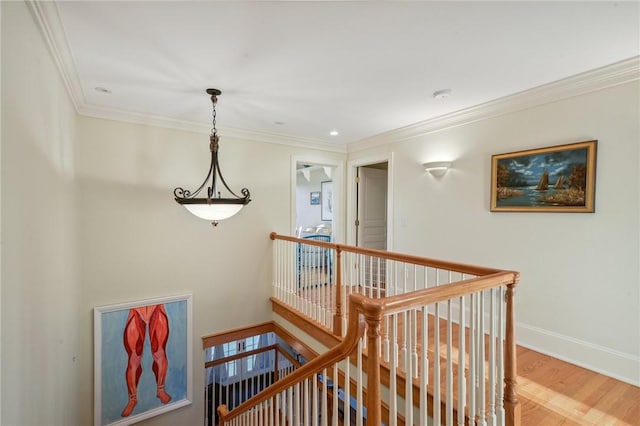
[212, 207]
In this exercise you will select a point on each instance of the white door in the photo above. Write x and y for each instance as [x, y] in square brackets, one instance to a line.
[371, 222]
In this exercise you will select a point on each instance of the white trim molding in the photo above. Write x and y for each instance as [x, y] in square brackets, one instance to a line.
[191, 126]
[610, 362]
[590, 81]
[338, 190]
[352, 167]
[47, 18]
[45, 14]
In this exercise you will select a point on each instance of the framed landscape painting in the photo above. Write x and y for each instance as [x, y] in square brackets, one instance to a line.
[142, 357]
[553, 179]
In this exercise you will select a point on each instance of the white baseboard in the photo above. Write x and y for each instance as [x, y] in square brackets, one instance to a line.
[612, 363]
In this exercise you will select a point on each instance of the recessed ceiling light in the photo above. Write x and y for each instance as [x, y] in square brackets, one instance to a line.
[334, 133]
[442, 94]
[102, 90]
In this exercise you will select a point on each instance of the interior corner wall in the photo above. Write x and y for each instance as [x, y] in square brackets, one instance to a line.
[41, 350]
[579, 294]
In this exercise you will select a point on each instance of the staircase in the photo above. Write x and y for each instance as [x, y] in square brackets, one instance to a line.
[415, 341]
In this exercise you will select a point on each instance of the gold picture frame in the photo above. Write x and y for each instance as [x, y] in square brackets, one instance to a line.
[552, 179]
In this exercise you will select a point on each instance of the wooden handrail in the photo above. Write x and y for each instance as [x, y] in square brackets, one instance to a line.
[443, 292]
[339, 352]
[236, 334]
[241, 355]
[219, 338]
[400, 257]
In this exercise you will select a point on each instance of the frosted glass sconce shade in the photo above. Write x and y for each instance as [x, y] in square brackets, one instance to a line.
[437, 168]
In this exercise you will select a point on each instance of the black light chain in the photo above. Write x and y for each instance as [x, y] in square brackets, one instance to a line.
[214, 100]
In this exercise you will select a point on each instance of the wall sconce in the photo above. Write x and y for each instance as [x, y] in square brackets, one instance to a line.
[437, 168]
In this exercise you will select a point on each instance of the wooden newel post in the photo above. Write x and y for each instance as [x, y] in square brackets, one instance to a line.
[374, 411]
[222, 412]
[511, 403]
[338, 317]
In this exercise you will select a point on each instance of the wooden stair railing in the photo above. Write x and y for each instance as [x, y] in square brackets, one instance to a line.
[310, 369]
[464, 285]
[264, 407]
[280, 364]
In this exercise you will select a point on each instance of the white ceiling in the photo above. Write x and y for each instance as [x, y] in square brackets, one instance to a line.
[302, 69]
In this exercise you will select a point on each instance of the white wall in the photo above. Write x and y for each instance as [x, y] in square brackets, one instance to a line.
[579, 294]
[41, 348]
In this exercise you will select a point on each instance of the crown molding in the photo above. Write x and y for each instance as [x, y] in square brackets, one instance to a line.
[590, 81]
[45, 14]
[47, 19]
[115, 114]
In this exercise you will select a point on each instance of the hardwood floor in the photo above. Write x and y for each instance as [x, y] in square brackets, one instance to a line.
[554, 392]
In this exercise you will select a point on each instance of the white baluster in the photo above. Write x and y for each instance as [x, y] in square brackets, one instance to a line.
[492, 358]
[325, 396]
[405, 328]
[500, 362]
[334, 417]
[481, 363]
[461, 363]
[414, 331]
[305, 395]
[393, 373]
[347, 391]
[449, 367]
[424, 364]
[315, 416]
[471, 378]
[408, 388]
[359, 381]
[436, 366]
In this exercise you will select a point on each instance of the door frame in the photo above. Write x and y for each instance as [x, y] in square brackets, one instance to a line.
[338, 191]
[352, 170]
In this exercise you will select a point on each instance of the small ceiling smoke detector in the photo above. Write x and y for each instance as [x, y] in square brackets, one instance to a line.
[442, 94]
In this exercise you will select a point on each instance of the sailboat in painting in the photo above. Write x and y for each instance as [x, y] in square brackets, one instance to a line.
[543, 183]
[559, 183]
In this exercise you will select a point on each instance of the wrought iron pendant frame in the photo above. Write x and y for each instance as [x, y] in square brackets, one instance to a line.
[184, 196]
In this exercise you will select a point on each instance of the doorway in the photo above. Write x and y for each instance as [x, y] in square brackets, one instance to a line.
[370, 201]
[316, 194]
[371, 206]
